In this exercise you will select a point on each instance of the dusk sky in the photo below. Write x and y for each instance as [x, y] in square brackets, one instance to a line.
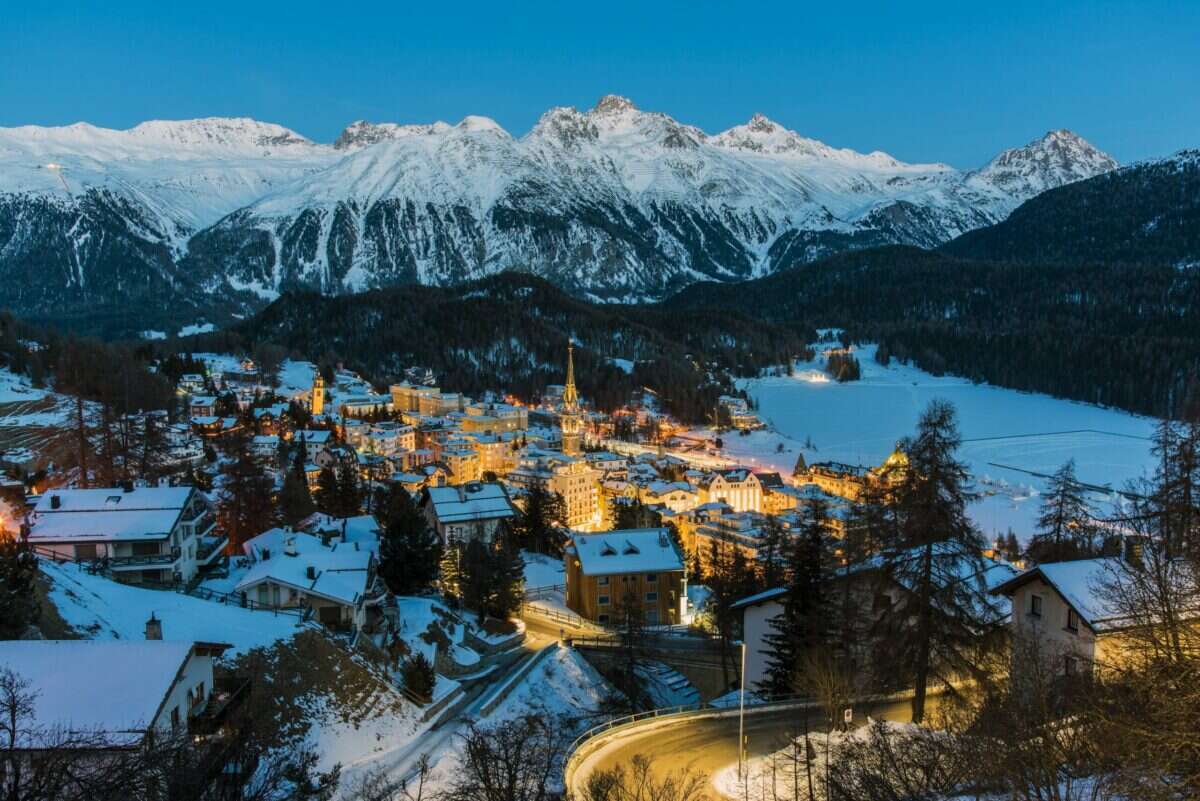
[934, 81]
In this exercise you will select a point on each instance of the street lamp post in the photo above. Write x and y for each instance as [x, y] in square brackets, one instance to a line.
[742, 716]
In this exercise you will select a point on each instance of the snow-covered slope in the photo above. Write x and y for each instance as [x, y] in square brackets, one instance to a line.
[613, 202]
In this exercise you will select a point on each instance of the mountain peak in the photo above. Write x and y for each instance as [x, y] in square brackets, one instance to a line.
[761, 123]
[614, 104]
[1059, 157]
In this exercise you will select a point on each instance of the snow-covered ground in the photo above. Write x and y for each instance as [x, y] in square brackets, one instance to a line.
[542, 571]
[100, 608]
[1005, 432]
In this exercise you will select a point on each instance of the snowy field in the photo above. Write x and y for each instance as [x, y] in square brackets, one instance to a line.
[102, 609]
[1008, 436]
[542, 571]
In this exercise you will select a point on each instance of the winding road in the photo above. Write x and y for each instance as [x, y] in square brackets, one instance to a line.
[709, 743]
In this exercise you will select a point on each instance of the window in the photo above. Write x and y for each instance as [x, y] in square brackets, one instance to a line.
[1072, 621]
[1070, 665]
[602, 581]
[1035, 606]
[603, 600]
[175, 718]
[602, 619]
[652, 597]
[651, 578]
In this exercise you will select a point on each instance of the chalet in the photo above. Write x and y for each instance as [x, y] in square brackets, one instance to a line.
[472, 511]
[1064, 612]
[143, 534]
[315, 442]
[264, 447]
[202, 406]
[213, 427]
[295, 570]
[191, 383]
[120, 691]
[605, 572]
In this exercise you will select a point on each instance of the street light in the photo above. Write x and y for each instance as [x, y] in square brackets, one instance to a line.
[742, 715]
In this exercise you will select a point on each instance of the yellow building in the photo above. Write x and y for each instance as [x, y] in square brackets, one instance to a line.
[570, 477]
[610, 573]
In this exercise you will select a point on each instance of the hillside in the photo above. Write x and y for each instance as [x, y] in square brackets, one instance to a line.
[1143, 214]
[511, 331]
[1120, 335]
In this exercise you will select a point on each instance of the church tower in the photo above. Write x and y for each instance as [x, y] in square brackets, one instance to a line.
[317, 402]
[569, 418]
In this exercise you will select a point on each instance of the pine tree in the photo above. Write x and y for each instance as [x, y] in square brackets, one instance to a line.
[1065, 528]
[537, 527]
[773, 553]
[349, 496]
[295, 500]
[409, 550]
[931, 633]
[19, 607]
[327, 497]
[804, 622]
[450, 572]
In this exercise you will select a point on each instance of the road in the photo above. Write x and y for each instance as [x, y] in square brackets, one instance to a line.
[710, 744]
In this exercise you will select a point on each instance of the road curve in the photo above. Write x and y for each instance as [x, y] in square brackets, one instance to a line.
[708, 741]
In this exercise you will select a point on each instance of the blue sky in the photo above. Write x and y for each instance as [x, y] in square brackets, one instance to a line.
[925, 81]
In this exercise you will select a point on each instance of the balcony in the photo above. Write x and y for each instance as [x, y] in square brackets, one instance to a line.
[209, 549]
[141, 561]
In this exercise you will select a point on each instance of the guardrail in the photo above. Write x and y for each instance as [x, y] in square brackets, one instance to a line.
[538, 593]
[708, 710]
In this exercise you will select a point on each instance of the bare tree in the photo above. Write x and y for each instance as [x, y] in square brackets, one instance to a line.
[640, 783]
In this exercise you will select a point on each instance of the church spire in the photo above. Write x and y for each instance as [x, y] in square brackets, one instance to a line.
[570, 394]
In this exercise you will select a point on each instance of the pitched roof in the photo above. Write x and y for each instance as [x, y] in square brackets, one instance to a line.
[472, 501]
[341, 569]
[111, 686]
[1079, 583]
[637, 550]
[761, 597]
[108, 514]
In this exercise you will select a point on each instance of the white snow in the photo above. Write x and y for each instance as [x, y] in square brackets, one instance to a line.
[100, 608]
[197, 328]
[542, 571]
[91, 686]
[1007, 435]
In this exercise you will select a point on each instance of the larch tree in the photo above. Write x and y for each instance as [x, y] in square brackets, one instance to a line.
[1065, 527]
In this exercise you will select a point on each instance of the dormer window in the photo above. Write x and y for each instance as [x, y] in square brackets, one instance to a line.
[111, 501]
[630, 549]
[608, 550]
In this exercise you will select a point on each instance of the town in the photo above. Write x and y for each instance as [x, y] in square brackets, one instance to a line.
[459, 556]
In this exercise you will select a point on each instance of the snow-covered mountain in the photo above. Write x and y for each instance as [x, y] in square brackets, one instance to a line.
[613, 203]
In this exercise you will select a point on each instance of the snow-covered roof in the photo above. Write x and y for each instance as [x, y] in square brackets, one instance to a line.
[472, 501]
[107, 499]
[636, 550]
[340, 570]
[318, 437]
[761, 597]
[145, 513]
[114, 687]
[1079, 583]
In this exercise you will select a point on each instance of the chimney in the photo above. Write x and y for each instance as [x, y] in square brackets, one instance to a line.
[289, 547]
[343, 531]
[55, 501]
[265, 554]
[311, 573]
[153, 628]
[127, 486]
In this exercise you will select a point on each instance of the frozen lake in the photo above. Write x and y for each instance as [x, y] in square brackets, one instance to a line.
[1007, 435]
